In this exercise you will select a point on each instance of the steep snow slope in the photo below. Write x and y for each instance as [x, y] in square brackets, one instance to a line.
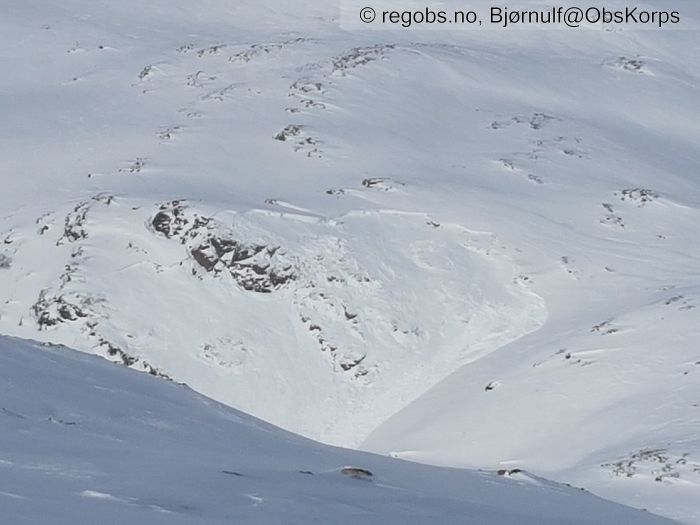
[213, 221]
[86, 441]
[318, 226]
[617, 412]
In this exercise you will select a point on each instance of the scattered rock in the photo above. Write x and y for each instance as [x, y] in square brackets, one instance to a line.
[536, 121]
[186, 48]
[289, 131]
[506, 472]
[136, 166]
[655, 463]
[251, 265]
[380, 183]
[612, 218]
[168, 133]
[349, 365]
[302, 142]
[263, 49]
[51, 310]
[145, 72]
[74, 225]
[634, 65]
[360, 56]
[539, 120]
[254, 267]
[306, 86]
[62, 422]
[605, 328]
[642, 196]
[357, 473]
[211, 50]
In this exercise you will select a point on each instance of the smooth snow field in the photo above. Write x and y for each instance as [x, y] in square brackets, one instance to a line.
[86, 441]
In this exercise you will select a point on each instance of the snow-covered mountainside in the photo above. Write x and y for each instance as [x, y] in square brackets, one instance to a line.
[472, 248]
[86, 441]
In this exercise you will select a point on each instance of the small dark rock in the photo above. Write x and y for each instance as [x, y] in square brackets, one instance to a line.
[357, 473]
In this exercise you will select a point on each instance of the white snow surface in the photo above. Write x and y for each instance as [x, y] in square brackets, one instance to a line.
[467, 248]
[87, 441]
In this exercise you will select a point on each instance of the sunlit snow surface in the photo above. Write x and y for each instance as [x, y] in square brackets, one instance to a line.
[467, 248]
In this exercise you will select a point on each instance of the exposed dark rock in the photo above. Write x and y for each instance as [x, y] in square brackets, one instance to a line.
[289, 131]
[357, 473]
[254, 267]
[74, 226]
[349, 365]
[360, 56]
[634, 65]
[642, 196]
[539, 120]
[659, 463]
[251, 265]
[130, 361]
[52, 310]
[370, 183]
